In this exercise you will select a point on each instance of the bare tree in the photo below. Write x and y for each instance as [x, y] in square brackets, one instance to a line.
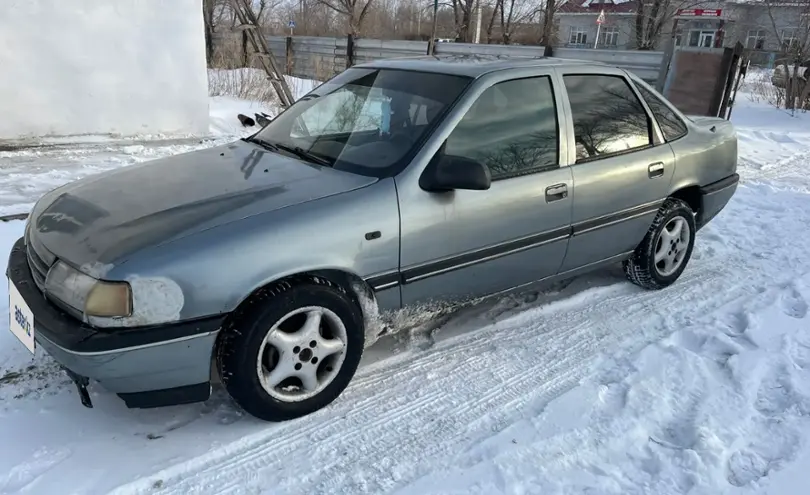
[208, 14]
[492, 15]
[502, 21]
[462, 12]
[547, 36]
[213, 14]
[795, 50]
[513, 14]
[354, 11]
[654, 16]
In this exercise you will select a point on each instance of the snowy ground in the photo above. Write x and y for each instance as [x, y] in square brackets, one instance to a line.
[593, 386]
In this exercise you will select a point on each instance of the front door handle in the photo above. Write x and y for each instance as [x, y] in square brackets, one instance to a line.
[655, 170]
[556, 192]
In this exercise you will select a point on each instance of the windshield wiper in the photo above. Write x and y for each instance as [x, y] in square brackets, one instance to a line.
[264, 144]
[293, 150]
[304, 154]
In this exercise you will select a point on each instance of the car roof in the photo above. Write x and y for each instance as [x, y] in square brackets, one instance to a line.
[471, 65]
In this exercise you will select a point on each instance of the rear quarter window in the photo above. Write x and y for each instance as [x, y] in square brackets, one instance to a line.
[671, 125]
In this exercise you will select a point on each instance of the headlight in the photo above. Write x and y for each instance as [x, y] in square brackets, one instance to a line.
[109, 299]
[88, 295]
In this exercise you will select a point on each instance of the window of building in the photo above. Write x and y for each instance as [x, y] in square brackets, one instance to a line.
[755, 39]
[579, 36]
[512, 128]
[703, 38]
[609, 36]
[789, 40]
[608, 117]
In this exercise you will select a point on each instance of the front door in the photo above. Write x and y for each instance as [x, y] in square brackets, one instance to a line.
[465, 243]
[621, 168]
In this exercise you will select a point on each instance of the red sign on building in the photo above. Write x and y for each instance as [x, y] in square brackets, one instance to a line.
[699, 12]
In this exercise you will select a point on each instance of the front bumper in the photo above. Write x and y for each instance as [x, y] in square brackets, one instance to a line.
[148, 366]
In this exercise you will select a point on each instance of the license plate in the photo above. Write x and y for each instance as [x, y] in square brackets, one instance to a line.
[21, 319]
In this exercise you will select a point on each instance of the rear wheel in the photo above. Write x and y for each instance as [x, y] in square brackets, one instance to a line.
[293, 351]
[666, 249]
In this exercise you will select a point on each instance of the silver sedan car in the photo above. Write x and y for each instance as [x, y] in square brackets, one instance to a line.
[397, 183]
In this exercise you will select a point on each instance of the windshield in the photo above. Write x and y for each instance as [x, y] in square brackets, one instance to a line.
[365, 121]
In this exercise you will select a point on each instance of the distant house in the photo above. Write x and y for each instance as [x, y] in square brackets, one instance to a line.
[577, 26]
[695, 24]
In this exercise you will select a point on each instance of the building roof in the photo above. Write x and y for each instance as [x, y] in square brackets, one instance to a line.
[596, 6]
[470, 65]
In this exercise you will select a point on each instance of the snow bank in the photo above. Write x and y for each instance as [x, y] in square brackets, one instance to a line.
[99, 67]
[253, 85]
[245, 91]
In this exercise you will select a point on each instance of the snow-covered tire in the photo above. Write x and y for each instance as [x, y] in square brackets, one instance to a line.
[642, 268]
[294, 329]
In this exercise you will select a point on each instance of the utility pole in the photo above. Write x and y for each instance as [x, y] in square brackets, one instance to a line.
[432, 42]
[477, 36]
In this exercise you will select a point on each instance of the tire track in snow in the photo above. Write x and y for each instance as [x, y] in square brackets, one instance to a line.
[456, 368]
[788, 174]
[241, 460]
[510, 387]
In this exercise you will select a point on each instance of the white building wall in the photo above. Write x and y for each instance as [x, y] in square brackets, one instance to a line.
[122, 67]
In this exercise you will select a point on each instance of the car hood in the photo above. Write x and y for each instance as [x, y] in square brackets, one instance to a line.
[103, 218]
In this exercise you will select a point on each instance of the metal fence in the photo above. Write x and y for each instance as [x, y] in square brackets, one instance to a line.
[319, 58]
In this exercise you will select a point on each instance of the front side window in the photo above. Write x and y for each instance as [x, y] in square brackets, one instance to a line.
[671, 125]
[365, 121]
[511, 128]
[608, 118]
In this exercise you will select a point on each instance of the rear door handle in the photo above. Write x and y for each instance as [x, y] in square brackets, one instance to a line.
[556, 192]
[655, 170]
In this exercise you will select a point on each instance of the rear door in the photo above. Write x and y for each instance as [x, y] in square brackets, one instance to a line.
[621, 166]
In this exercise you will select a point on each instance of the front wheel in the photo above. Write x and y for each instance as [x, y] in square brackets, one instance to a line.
[666, 249]
[293, 351]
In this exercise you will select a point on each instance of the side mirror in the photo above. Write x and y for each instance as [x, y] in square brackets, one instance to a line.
[446, 173]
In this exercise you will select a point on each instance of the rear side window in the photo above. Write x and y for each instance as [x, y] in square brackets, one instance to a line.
[671, 125]
[608, 118]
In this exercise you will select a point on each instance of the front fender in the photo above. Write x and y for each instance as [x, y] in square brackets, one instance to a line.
[220, 267]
